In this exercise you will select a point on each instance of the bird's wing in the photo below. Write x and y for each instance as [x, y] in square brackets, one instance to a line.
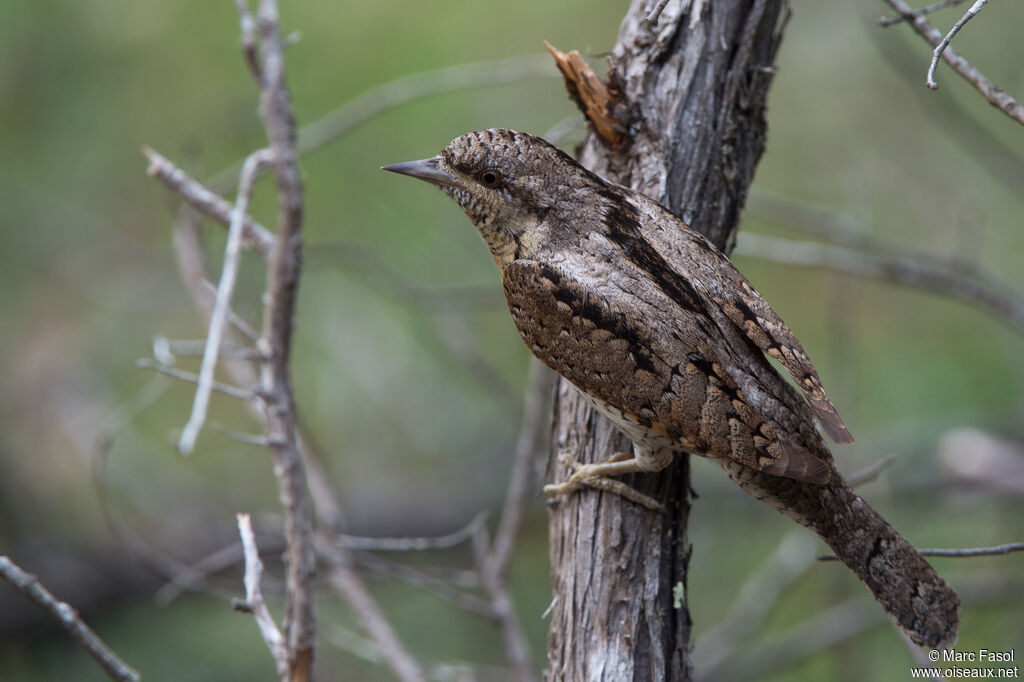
[730, 291]
[659, 380]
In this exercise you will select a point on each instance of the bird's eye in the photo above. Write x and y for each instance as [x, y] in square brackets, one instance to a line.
[490, 178]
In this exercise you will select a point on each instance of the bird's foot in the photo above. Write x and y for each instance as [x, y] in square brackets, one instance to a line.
[596, 476]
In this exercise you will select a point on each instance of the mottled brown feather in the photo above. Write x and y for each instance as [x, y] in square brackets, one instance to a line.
[665, 384]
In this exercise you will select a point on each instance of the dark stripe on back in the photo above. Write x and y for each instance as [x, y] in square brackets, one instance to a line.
[623, 223]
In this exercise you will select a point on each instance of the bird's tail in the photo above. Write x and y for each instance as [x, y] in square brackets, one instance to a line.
[917, 599]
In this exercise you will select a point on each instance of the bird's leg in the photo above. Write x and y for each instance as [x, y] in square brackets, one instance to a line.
[596, 476]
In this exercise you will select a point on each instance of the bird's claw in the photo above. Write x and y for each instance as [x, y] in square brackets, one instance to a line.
[592, 475]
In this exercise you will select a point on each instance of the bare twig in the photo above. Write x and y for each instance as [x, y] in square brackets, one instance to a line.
[237, 321]
[345, 580]
[206, 202]
[165, 350]
[997, 97]
[249, 47]
[68, 618]
[913, 269]
[259, 440]
[328, 507]
[529, 443]
[441, 587]
[412, 544]
[254, 599]
[493, 563]
[886, 22]
[198, 573]
[944, 43]
[231, 391]
[283, 270]
[965, 552]
[222, 303]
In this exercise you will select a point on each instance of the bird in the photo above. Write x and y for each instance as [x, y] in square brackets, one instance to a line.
[664, 336]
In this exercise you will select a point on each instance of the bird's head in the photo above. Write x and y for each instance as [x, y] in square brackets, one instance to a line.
[507, 182]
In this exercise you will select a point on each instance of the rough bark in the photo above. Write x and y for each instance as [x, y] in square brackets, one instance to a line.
[693, 81]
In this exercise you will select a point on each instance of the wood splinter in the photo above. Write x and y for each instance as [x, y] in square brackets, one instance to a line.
[595, 98]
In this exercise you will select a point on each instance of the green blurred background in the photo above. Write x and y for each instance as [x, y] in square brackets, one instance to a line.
[416, 443]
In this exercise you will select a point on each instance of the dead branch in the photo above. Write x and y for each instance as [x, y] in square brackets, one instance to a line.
[254, 603]
[328, 508]
[67, 618]
[191, 378]
[595, 98]
[275, 390]
[995, 96]
[463, 534]
[205, 201]
[492, 560]
[886, 22]
[944, 43]
[222, 302]
[965, 552]
[344, 579]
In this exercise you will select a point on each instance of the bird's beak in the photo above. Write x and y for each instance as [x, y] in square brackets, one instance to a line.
[424, 169]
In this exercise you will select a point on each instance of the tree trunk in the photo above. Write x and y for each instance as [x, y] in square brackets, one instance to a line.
[693, 79]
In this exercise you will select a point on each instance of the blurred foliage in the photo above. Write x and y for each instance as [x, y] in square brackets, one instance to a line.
[415, 443]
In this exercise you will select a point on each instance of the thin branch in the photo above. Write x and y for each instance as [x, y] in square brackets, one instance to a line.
[248, 35]
[196, 575]
[166, 350]
[222, 304]
[283, 270]
[492, 561]
[259, 440]
[328, 508]
[944, 43]
[29, 586]
[231, 391]
[344, 579]
[465, 533]
[966, 552]
[530, 441]
[913, 269]
[886, 22]
[237, 321]
[439, 587]
[254, 599]
[206, 202]
[998, 98]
